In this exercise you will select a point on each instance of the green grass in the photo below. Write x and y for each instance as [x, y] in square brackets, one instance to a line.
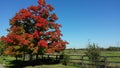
[103, 53]
[52, 66]
[114, 59]
[8, 59]
[110, 53]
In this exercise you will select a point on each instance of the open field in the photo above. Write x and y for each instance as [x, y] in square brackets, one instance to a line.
[112, 57]
[103, 53]
[110, 53]
[6, 60]
[53, 66]
[82, 52]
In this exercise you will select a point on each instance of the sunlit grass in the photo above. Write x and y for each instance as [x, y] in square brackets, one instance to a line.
[110, 53]
[53, 66]
[6, 60]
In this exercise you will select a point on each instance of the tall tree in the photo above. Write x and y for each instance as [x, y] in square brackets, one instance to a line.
[33, 31]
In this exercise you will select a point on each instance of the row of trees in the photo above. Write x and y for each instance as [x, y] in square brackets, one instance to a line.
[33, 31]
[112, 48]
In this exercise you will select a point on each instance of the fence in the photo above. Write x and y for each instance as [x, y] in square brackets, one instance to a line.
[104, 62]
[83, 61]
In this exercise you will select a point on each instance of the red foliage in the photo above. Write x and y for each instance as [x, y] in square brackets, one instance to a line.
[15, 28]
[9, 50]
[23, 42]
[40, 22]
[34, 8]
[21, 15]
[34, 28]
[31, 45]
[50, 50]
[6, 40]
[50, 7]
[42, 2]
[42, 43]
[53, 16]
[35, 34]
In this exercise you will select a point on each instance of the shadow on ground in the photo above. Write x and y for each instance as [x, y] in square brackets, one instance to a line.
[22, 64]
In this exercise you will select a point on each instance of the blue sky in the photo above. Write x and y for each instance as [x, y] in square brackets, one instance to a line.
[95, 20]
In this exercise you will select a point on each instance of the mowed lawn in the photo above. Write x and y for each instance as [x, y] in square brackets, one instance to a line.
[103, 53]
[6, 61]
[107, 54]
[110, 53]
[53, 66]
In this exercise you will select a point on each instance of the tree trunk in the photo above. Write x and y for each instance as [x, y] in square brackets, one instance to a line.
[36, 56]
[30, 57]
[48, 58]
[42, 58]
[16, 57]
[56, 57]
[24, 56]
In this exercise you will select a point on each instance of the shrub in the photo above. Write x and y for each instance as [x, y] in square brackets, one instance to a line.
[64, 58]
[93, 52]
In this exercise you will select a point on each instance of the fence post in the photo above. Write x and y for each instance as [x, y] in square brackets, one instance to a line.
[48, 58]
[105, 62]
[56, 57]
[82, 60]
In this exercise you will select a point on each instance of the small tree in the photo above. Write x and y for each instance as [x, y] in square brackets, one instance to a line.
[64, 58]
[93, 52]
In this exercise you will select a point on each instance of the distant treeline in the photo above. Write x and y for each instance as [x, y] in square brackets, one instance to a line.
[111, 48]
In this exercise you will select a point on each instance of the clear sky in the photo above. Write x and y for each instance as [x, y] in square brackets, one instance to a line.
[95, 20]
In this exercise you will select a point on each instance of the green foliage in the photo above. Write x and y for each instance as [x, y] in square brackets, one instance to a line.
[112, 48]
[64, 58]
[6, 60]
[2, 47]
[93, 52]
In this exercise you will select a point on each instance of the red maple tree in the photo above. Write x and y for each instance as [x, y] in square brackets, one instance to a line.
[33, 31]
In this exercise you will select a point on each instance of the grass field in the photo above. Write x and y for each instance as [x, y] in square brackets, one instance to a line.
[103, 53]
[53, 66]
[7, 59]
[110, 53]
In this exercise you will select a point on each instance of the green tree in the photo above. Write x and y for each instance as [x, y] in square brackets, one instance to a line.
[93, 52]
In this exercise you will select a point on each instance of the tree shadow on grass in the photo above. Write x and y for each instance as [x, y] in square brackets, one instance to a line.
[22, 64]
